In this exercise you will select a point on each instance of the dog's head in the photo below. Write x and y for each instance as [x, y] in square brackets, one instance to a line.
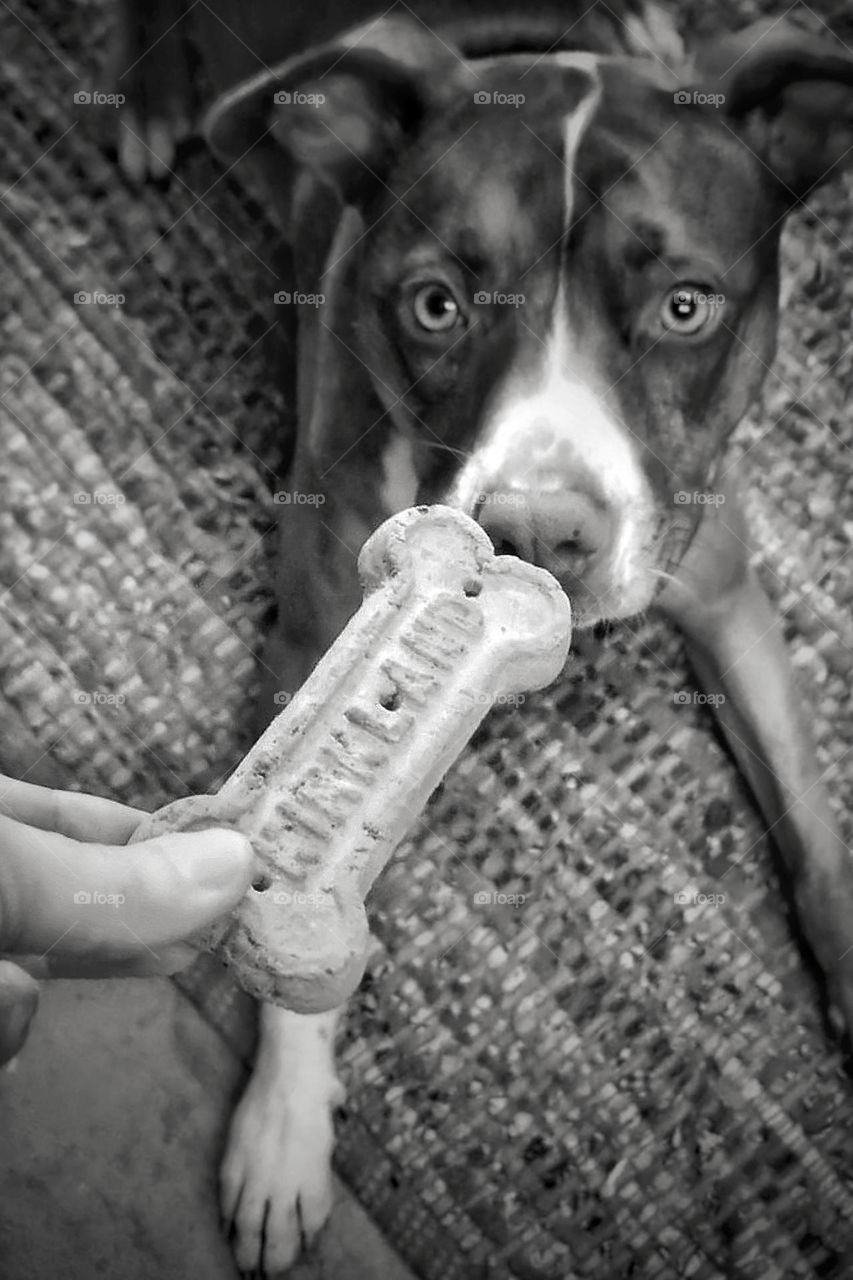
[562, 284]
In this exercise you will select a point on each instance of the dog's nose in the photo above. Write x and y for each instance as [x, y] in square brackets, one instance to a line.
[566, 532]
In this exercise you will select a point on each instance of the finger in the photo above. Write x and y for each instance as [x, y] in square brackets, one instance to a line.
[19, 997]
[74, 814]
[166, 961]
[59, 895]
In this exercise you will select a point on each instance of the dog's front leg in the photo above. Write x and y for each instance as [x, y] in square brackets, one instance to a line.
[276, 1177]
[318, 589]
[736, 645]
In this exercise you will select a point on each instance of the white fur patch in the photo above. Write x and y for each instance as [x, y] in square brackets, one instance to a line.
[574, 127]
[399, 486]
[542, 439]
[533, 432]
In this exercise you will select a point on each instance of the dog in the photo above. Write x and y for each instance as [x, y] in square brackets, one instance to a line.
[538, 265]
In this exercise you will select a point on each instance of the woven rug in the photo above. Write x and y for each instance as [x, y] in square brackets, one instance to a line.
[555, 1068]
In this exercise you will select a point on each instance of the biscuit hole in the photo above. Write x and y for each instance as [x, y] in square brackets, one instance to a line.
[262, 883]
[391, 700]
[472, 587]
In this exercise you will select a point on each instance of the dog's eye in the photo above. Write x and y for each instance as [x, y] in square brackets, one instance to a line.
[435, 308]
[690, 308]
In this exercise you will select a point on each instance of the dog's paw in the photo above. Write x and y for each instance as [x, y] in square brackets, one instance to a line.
[276, 1179]
[147, 146]
[150, 68]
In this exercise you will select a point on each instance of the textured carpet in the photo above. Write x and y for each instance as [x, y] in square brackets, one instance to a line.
[555, 1067]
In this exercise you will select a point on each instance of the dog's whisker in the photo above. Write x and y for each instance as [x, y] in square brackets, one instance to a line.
[662, 573]
[462, 454]
[664, 576]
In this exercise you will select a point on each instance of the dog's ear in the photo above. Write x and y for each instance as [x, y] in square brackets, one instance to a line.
[341, 110]
[789, 96]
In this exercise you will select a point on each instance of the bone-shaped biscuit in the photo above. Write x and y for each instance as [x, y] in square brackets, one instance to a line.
[333, 785]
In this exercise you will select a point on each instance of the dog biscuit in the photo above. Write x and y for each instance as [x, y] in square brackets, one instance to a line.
[446, 628]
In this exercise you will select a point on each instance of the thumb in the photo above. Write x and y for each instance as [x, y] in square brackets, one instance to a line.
[188, 880]
[72, 898]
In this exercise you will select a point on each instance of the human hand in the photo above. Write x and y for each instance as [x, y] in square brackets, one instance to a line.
[75, 903]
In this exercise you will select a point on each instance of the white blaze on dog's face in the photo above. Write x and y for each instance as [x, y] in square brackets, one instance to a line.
[565, 484]
[399, 486]
[563, 475]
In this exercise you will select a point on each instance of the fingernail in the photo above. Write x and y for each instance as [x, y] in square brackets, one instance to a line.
[222, 858]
